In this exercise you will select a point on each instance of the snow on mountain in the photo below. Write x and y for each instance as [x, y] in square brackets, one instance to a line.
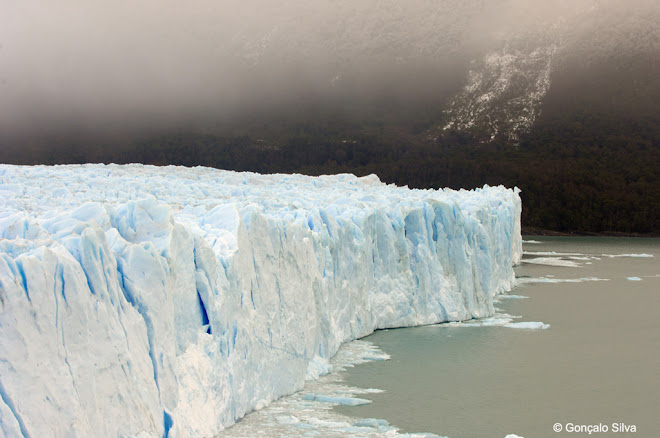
[504, 90]
[149, 301]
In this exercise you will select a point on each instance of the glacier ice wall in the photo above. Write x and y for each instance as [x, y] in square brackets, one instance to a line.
[168, 301]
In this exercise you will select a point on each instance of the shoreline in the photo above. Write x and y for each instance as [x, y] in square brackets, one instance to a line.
[533, 231]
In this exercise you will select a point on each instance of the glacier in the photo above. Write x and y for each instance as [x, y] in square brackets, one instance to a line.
[149, 301]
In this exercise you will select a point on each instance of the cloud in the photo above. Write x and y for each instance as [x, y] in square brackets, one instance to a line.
[120, 63]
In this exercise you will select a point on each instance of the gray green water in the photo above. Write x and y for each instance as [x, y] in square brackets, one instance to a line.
[598, 363]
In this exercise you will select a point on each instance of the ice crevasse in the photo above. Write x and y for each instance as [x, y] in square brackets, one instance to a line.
[169, 301]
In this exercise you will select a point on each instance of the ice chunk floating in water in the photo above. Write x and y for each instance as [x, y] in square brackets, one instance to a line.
[551, 261]
[528, 325]
[348, 401]
[138, 300]
[550, 279]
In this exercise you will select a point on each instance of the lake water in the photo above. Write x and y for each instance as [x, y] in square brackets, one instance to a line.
[597, 364]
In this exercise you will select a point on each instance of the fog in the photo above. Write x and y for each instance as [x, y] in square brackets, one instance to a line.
[102, 65]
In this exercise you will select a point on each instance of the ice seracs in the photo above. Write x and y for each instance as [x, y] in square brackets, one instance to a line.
[147, 301]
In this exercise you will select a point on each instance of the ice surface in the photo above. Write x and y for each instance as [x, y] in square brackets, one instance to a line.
[633, 279]
[169, 301]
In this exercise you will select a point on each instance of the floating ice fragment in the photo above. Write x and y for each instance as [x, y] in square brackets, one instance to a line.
[287, 419]
[550, 279]
[552, 253]
[550, 261]
[371, 422]
[633, 279]
[493, 321]
[346, 401]
[528, 325]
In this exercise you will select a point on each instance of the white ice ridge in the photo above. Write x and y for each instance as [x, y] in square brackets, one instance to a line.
[169, 301]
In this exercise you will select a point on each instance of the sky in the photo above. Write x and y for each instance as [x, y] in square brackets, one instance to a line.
[122, 65]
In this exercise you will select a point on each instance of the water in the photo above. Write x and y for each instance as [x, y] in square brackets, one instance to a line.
[598, 362]
[309, 413]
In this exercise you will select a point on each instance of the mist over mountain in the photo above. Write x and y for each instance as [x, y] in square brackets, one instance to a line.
[555, 96]
[112, 66]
